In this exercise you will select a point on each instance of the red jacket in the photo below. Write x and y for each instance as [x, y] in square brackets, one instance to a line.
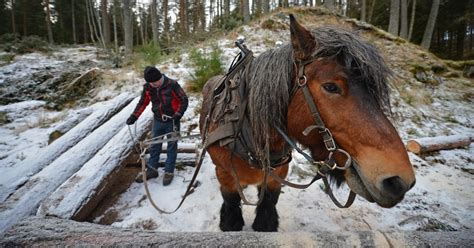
[168, 99]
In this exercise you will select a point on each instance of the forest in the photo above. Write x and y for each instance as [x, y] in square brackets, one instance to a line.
[445, 27]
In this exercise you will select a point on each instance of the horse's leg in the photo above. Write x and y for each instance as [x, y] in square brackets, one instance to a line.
[231, 212]
[266, 219]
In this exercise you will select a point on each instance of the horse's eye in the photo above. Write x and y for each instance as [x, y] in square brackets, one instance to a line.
[332, 88]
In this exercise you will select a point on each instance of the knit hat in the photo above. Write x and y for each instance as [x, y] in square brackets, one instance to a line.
[152, 74]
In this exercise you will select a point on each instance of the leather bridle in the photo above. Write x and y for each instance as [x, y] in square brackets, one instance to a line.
[324, 166]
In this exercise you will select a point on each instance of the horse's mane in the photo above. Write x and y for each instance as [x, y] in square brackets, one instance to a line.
[270, 74]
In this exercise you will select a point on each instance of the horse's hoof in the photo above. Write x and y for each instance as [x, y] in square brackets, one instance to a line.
[265, 226]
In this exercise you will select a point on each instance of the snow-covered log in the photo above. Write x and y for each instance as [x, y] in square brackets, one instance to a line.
[81, 193]
[27, 198]
[15, 176]
[54, 232]
[182, 147]
[430, 144]
[69, 123]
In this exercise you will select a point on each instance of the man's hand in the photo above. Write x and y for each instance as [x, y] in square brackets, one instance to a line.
[176, 116]
[132, 119]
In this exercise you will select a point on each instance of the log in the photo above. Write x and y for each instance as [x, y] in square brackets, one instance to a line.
[26, 199]
[430, 144]
[73, 118]
[15, 176]
[81, 193]
[54, 232]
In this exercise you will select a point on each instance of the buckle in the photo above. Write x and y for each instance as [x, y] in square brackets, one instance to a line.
[165, 118]
[328, 140]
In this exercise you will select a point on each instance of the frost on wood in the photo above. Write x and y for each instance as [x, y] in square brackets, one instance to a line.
[13, 177]
[26, 199]
[430, 144]
[91, 179]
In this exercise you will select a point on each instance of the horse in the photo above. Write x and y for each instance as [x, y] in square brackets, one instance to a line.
[326, 72]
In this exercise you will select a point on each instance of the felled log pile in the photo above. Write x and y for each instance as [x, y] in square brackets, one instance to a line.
[61, 166]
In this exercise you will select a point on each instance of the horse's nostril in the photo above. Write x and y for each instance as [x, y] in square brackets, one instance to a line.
[394, 186]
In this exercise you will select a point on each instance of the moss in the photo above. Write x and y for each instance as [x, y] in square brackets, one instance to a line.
[459, 65]
[7, 58]
[439, 68]
[416, 67]
[272, 25]
[468, 97]
[452, 74]
[4, 118]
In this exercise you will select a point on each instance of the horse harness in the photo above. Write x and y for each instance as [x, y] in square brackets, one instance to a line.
[228, 107]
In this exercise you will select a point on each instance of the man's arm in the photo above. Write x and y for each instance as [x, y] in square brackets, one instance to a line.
[141, 105]
[180, 100]
[144, 101]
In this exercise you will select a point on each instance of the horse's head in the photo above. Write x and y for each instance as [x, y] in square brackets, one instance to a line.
[347, 80]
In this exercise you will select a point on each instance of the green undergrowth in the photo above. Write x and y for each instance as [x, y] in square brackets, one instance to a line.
[205, 65]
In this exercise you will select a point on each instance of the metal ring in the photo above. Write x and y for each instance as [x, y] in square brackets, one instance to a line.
[304, 81]
[348, 162]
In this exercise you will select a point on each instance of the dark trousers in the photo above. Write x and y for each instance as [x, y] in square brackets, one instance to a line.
[161, 128]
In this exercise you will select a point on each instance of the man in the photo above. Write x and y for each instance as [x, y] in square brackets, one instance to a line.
[168, 105]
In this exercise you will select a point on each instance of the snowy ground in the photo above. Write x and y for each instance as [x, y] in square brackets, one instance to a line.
[442, 199]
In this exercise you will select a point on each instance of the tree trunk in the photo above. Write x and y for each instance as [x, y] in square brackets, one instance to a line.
[430, 144]
[404, 19]
[426, 42]
[48, 23]
[266, 6]
[371, 11]
[461, 35]
[127, 26]
[12, 2]
[105, 21]
[412, 20]
[202, 15]
[73, 17]
[226, 7]
[154, 21]
[363, 11]
[330, 4]
[394, 17]
[182, 17]
[141, 14]
[24, 7]
[166, 22]
[115, 26]
[98, 28]
[246, 10]
[318, 2]
[89, 21]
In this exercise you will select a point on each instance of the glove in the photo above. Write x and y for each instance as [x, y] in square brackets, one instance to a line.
[176, 116]
[132, 119]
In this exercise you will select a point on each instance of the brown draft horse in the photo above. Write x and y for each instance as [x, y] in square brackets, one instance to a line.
[347, 79]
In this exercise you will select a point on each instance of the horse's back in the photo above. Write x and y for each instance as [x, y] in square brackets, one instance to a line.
[207, 92]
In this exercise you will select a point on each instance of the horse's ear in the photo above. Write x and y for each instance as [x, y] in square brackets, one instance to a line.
[302, 40]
